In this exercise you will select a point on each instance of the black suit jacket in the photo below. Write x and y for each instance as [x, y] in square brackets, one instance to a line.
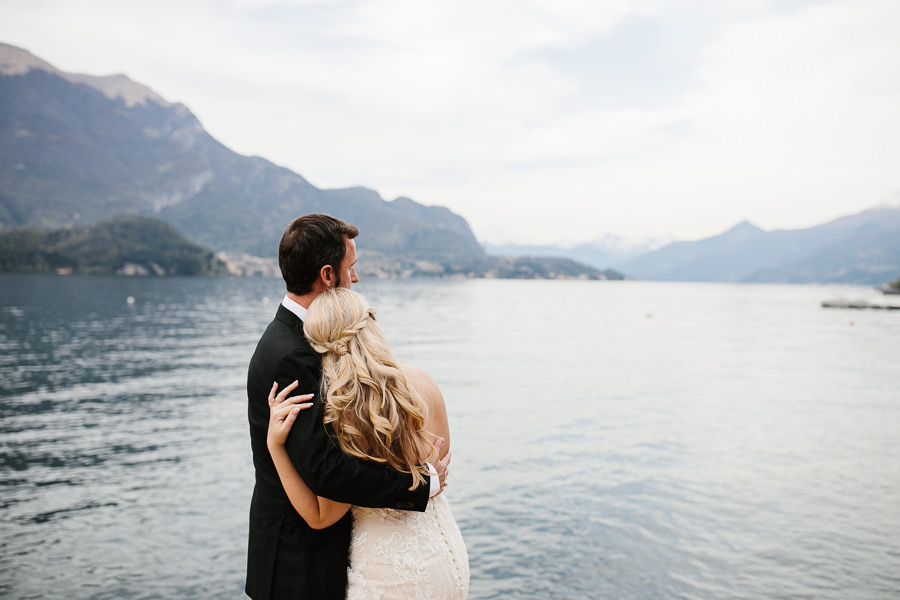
[286, 558]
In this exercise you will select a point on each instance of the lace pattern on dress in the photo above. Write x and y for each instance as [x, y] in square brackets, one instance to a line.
[398, 554]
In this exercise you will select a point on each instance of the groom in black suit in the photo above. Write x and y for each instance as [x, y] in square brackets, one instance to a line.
[286, 558]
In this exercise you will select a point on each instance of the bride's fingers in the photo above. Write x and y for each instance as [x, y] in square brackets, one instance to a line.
[281, 412]
[276, 399]
[287, 390]
[297, 399]
[292, 415]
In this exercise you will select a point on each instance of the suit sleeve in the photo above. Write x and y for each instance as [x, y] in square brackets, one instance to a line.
[324, 467]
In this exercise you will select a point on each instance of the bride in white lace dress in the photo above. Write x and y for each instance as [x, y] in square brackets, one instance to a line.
[390, 414]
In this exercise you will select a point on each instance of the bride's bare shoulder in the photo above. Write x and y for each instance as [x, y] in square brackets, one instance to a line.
[421, 380]
[415, 374]
[436, 411]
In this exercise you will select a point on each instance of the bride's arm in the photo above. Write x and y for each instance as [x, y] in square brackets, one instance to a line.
[318, 512]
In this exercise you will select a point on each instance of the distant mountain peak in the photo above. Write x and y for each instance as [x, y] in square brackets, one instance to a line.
[629, 246]
[745, 230]
[745, 226]
[18, 61]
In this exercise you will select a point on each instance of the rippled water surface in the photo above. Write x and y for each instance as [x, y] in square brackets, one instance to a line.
[610, 439]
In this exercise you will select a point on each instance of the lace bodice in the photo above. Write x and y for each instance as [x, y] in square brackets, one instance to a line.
[396, 554]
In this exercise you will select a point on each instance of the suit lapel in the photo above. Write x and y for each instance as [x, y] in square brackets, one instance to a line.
[290, 319]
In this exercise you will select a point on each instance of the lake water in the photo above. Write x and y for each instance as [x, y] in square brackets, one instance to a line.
[610, 439]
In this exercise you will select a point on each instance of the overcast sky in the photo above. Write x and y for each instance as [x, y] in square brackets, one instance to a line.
[539, 121]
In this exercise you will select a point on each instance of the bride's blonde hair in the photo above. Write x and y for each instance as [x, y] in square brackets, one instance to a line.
[374, 411]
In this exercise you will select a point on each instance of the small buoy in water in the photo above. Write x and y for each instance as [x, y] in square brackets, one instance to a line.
[129, 300]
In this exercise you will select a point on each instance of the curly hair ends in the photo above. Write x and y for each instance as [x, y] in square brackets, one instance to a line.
[375, 413]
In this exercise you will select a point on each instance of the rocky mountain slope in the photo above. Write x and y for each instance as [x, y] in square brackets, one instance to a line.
[76, 149]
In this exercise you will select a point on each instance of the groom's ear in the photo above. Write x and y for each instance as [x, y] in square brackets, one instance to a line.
[327, 277]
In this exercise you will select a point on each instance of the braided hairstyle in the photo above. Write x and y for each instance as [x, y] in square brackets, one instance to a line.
[375, 413]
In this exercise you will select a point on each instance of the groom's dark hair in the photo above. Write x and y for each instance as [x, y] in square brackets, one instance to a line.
[309, 243]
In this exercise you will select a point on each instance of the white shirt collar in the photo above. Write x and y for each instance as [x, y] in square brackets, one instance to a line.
[294, 308]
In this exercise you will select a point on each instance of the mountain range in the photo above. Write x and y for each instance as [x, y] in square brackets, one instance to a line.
[862, 248]
[77, 149]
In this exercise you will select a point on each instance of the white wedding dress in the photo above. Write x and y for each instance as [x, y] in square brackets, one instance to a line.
[406, 555]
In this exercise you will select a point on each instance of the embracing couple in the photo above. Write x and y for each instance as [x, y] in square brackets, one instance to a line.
[347, 501]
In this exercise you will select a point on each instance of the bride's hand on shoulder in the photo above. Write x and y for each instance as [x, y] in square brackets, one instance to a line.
[283, 412]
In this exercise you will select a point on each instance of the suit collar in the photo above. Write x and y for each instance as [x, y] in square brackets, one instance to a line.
[284, 315]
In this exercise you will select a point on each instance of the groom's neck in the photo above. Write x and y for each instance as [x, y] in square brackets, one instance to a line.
[305, 300]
